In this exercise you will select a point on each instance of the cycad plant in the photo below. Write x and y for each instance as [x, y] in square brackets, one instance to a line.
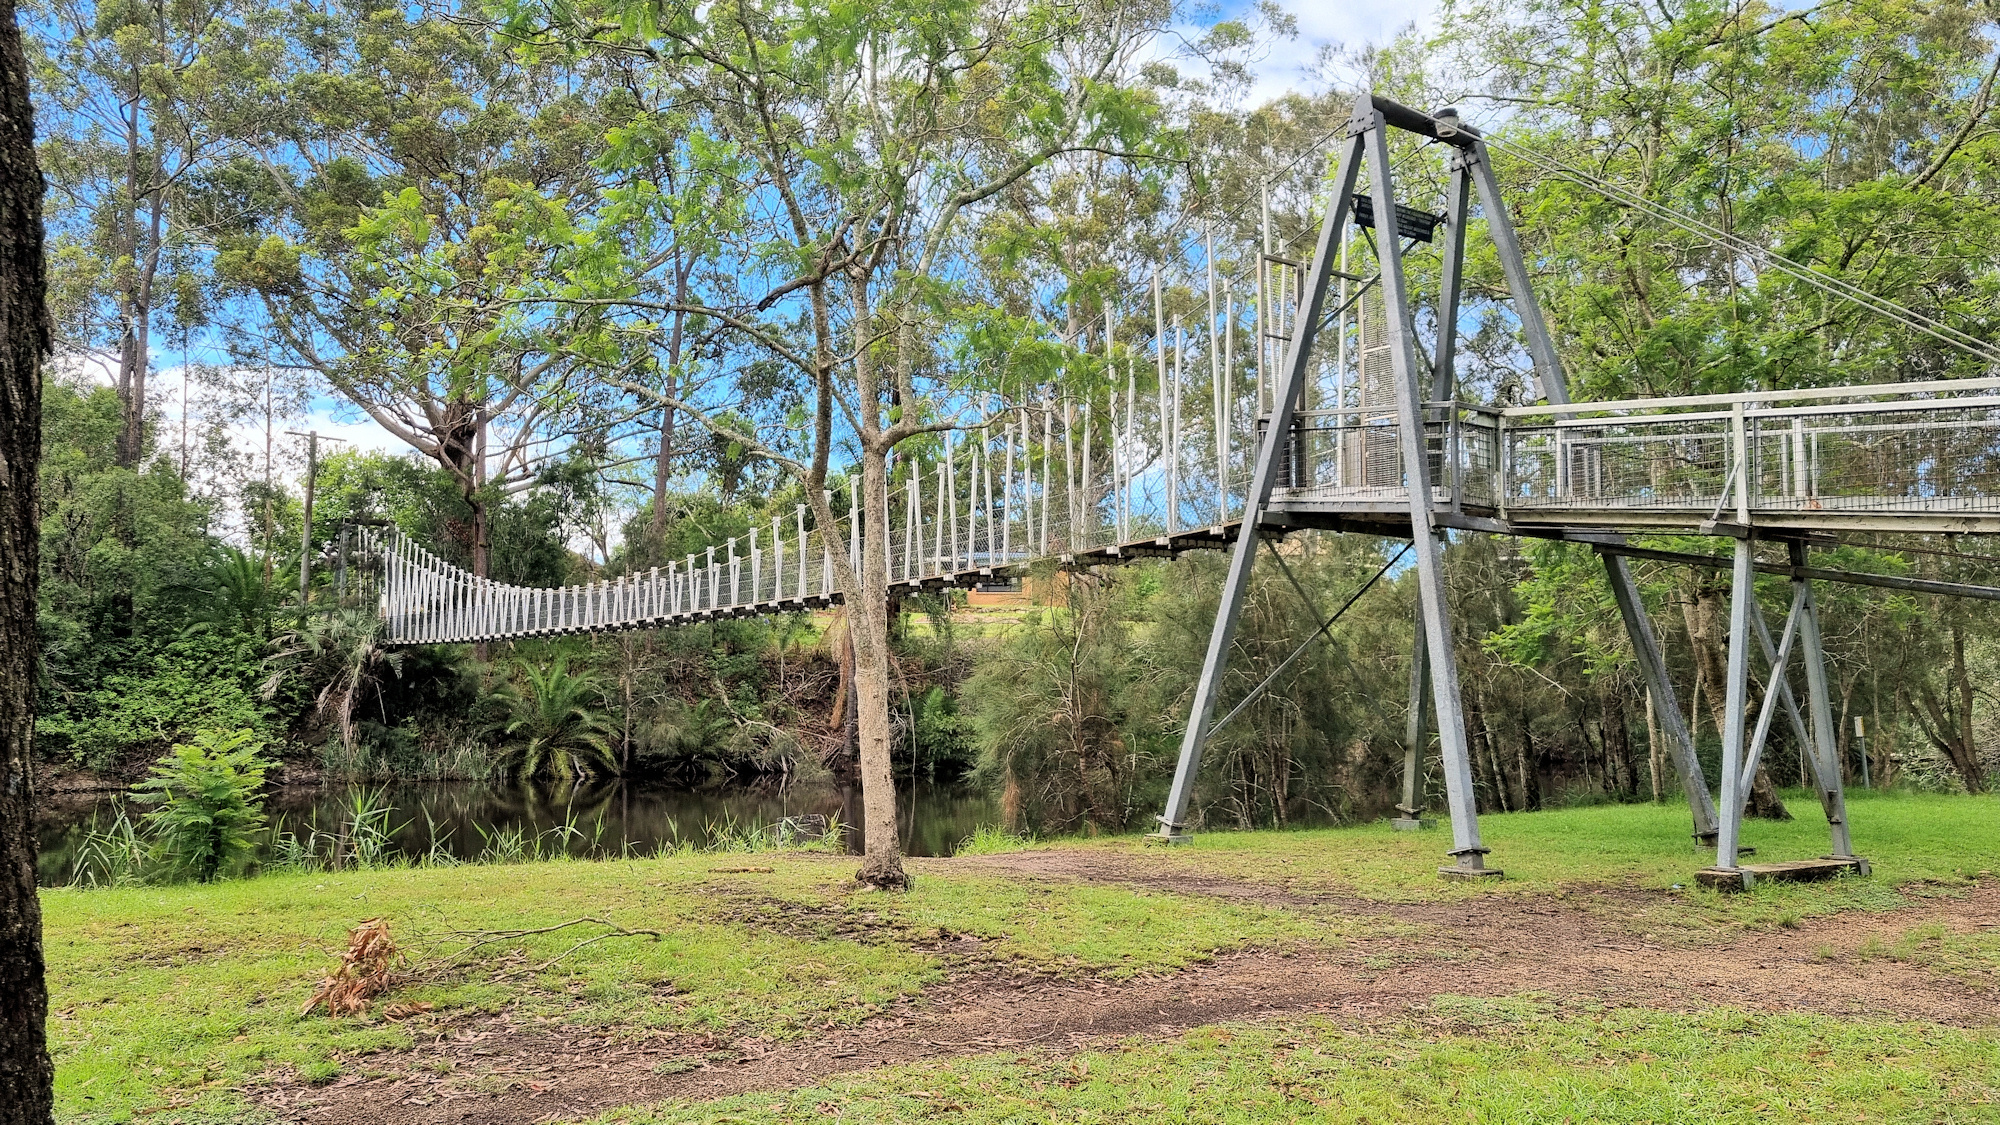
[208, 810]
[556, 725]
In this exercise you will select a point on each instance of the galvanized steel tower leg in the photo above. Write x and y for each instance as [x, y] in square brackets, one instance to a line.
[1269, 453]
[1736, 698]
[1459, 795]
[1646, 647]
[1825, 758]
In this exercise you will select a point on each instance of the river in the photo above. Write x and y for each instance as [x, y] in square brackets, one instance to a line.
[468, 820]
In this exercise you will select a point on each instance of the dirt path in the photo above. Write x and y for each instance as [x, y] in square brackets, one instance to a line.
[495, 1073]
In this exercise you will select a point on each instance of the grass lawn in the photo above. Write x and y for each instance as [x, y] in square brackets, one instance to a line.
[181, 994]
[185, 997]
[1919, 844]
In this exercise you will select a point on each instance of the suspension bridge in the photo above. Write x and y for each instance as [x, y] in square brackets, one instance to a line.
[1371, 438]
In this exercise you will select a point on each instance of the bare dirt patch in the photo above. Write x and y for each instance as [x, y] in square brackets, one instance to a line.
[489, 1071]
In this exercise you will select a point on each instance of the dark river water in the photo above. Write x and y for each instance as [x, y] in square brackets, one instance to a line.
[469, 819]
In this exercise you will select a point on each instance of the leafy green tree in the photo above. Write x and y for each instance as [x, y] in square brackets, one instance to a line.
[207, 807]
[841, 156]
[414, 174]
[142, 101]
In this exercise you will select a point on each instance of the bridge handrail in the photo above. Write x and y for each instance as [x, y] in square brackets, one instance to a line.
[1749, 398]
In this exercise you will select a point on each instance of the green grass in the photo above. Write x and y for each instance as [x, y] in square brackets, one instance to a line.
[1501, 1061]
[186, 998]
[171, 996]
[1918, 843]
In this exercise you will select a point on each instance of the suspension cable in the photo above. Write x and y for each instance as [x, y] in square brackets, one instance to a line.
[1826, 282]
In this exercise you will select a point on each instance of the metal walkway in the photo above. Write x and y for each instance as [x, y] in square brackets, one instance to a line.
[1374, 442]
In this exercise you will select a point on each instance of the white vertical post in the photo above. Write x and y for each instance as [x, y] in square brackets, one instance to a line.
[969, 547]
[734, 569]
[854, 523]
[1087, 503]
[1027, 483]
[1007, 496]
[1214, 366]
[1069, 468]
[937, 528]
[800, 515]
[1160, 361]
[1228, 420]
[1174, 434]
[1131, 433]
[986, 485]
[1048, 444]
[1265, 322]
[950, 499]
[826, 549]
[756, 567]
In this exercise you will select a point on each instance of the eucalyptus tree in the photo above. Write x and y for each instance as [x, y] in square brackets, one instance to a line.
[412, 175]
[1856, 139]
[142, 100]
[842, 157]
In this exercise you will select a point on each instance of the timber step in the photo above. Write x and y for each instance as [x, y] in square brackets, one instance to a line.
[1788, 871]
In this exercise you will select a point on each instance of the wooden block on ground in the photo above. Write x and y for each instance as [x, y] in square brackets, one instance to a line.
[1748, 875]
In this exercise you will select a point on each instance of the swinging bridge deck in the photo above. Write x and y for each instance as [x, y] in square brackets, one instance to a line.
[1917, 457]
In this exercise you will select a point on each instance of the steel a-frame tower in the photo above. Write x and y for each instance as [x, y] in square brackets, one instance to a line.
[1367, 141]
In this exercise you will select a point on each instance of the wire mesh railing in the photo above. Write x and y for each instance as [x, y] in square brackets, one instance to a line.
[1901, 450]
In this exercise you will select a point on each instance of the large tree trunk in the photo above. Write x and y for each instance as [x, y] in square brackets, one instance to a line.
[867, 623]
[27, 1077]
[1704, 615]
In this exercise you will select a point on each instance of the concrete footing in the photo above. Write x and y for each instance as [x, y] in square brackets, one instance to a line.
[1413, 824]
[1790, 871]
[1469, 874]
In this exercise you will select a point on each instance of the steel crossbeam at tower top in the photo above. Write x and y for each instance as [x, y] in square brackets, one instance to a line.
[1372, 438]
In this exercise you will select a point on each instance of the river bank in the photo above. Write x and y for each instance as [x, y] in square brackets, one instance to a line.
[461, 820]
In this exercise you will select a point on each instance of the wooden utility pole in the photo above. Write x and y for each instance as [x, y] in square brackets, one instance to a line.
[306, 526]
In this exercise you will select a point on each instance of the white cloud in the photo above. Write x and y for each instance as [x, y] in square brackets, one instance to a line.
[1288, 67]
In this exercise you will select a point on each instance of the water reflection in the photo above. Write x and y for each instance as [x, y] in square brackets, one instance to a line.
[610, 818]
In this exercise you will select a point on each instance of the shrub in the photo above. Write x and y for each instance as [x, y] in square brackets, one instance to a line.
[208, 808]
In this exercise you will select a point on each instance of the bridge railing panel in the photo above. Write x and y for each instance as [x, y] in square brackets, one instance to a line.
[1882, 450]
[1665, 462]
[1934, 456]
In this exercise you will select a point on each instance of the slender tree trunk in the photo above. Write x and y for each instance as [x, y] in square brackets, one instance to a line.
[1655, 759]
[27, 1078]
[882, 865]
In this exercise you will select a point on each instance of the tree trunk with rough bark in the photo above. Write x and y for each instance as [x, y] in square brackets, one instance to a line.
[27, 1077]
[882, 863]
[1708, 636]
